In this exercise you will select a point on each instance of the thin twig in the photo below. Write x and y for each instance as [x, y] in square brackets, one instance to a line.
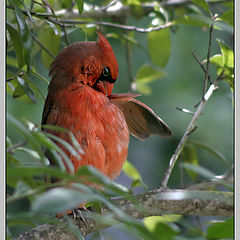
[66, 35]
[208, 59]
[73, 23]
[17, 145]
[10, 79]
[181, 144]
[198, 61]
[41, 45]
[184, 110]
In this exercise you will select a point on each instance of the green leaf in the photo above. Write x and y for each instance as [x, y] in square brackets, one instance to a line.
[66, 3]
[205, 173]
[30, 171]
[190, 156]
[160, 230]
[164, 218]
[94, 175]
[47, 37]
[8, 142]
[24, 33]
[74, 141]
[227, 52]
[28, 13]
[123, 222]
[161, 12]
[221, 230]
[25, 132]
[217, 60]
[46, 142]
[53, 27]
[212, 151]
[16, 40]
[91, 174]
[223, 26]
[194, 19]
[159, 47]
[66, 145]
[80, 6]
[203, 4]
[202, 21]
[54, 128]
[143, 88]
[24, 85]
[228, 16]
[32, 153]
[61, 199]
[21, 187]
[38, 75]
[18, 92]
[147, 74]
[133, 173]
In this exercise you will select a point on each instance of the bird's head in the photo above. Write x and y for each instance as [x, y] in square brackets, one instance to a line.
[90, 63]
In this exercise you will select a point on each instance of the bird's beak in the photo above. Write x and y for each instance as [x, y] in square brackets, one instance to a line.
[105, 87]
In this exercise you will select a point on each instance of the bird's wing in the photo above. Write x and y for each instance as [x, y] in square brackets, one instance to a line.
[141, 120]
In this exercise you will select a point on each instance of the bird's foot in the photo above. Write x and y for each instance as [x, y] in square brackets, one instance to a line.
[77, 213]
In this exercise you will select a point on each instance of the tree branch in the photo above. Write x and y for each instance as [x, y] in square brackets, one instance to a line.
[118, 10]
[72, 23]
[153, 203]
[187, 133]
[66, 17]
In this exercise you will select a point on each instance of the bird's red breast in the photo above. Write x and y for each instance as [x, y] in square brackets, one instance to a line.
[98, 125]
[80, 99]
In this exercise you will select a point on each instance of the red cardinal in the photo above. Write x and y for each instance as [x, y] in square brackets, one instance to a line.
[80, 99]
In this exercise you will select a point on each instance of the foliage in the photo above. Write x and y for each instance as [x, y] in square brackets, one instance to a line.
[36, 32]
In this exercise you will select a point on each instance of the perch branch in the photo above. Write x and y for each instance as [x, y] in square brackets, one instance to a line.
[184, 202]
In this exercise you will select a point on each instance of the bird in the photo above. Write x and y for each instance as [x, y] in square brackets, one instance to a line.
[80, 99]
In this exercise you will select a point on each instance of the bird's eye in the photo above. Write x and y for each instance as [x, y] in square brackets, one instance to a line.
[106, 71]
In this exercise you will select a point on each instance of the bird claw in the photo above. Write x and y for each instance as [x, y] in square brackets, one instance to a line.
[78, 213]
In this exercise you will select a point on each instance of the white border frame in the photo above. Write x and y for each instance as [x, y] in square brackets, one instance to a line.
[237, 119]
[2, 121]
[236, 123]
